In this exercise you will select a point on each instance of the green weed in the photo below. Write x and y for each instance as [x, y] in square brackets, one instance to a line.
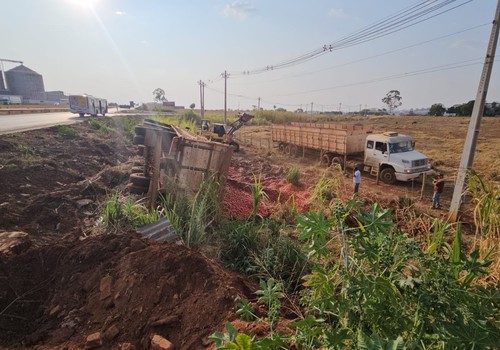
[258, 194]
[293, 176]
[121, 212]
[101, 125]
[66, 131]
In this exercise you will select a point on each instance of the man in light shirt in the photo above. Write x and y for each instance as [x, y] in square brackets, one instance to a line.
[356, 178]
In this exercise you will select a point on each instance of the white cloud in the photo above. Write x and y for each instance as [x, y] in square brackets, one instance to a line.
[238, 9]
[119, 13]
[337, 13]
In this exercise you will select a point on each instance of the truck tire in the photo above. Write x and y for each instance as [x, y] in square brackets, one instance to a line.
[325, 159]
[293, 150]
[137, 170]
[388, 176]
[281, 147]
[138, 189]
[337, 161]
[139, 180]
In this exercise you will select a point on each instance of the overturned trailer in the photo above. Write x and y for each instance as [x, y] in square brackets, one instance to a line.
[172, 155]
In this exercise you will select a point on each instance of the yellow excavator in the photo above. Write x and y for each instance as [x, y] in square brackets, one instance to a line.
[224, 133]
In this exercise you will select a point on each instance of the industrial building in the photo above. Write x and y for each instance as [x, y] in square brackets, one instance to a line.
[25, 82]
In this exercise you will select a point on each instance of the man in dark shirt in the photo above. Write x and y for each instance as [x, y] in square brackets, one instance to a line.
[438, 189]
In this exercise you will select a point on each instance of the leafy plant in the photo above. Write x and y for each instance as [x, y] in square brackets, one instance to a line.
[293, 176]
[270, 294]
[245, 310]
[27, 153]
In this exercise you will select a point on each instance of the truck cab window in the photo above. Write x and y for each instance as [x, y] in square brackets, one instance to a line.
[369, 144]
[381, 146]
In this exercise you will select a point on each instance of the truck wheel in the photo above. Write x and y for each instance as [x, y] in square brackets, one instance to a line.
[138, 189]
[387, 175]
[139, 180]
[337, 161]
[293, 150]
[281, 148]
[137, 170]
[325, 159]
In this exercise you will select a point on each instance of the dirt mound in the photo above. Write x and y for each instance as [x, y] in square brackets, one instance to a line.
[128, 289]
[50, 182]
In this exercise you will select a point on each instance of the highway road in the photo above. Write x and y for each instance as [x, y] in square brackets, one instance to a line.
[24, 122]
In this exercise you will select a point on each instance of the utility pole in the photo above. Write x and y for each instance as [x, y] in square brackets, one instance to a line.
[202, 99]
[311, 108]
[475, 120]
[258, 104]
[225, 75]
[340, 107]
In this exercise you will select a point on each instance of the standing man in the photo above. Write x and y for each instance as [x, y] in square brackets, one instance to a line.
[356, 178]
[438, 189]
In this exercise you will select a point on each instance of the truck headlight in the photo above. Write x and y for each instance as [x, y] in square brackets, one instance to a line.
[407, 171]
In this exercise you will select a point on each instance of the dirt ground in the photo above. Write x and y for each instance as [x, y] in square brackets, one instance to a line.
[61, 284]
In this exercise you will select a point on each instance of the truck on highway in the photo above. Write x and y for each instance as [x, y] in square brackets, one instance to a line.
[10, 100]
[87, 104]
[389, 155]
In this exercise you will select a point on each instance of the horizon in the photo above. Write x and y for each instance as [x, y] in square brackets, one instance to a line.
[123, 50]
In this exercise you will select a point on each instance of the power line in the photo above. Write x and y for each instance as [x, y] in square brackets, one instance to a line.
[381, 54]
[403, 19]
[428, 70]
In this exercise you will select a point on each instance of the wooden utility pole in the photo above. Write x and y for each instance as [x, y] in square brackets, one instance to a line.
[258, 104]
[311, 108]
[475, 120]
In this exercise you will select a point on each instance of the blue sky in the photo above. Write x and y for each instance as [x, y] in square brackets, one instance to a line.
[123, 49]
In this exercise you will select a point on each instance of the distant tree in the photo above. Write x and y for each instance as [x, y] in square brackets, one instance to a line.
[393, 100]
[466, 108]
[437, 109]
[192, 105]
[159, 95]
[496, 108]
[299, 110]
[411, 112]
[280, 109]
[274, 107]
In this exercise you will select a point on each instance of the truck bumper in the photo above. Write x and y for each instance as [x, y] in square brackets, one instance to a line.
[412, 176]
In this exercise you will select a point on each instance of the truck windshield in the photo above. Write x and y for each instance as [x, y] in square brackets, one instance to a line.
[400, 147]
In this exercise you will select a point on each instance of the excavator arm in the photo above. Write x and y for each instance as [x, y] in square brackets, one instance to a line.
[242, 120]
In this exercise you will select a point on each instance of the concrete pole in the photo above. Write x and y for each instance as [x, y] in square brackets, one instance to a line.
[475, 120]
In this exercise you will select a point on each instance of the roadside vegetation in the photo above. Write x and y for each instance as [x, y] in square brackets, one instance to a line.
[352, 278]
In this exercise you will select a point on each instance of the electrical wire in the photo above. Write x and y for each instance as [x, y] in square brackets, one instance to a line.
[403, 19]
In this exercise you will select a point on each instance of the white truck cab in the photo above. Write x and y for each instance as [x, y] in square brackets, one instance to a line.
[394, 155]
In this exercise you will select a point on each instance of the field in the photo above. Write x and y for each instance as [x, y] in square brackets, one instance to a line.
[71, 279]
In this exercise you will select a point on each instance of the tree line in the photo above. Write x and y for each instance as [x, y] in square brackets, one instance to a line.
[464, 109]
